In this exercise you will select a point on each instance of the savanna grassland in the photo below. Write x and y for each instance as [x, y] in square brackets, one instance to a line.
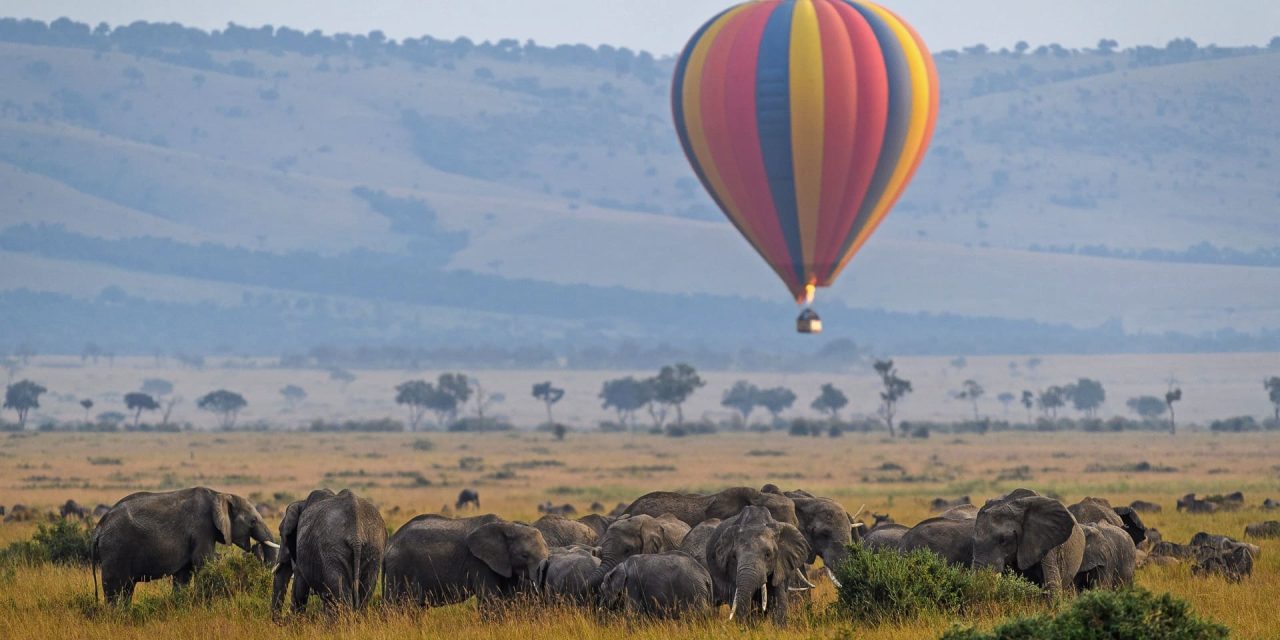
[407, 474]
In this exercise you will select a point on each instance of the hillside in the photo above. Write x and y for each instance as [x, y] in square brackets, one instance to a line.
[549, 182]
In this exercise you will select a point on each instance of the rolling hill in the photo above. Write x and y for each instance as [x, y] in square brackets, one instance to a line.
[547, 185]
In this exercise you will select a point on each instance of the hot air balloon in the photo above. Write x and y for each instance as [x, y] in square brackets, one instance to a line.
[805, 120]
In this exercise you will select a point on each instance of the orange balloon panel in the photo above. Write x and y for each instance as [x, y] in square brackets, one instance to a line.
[805, 120]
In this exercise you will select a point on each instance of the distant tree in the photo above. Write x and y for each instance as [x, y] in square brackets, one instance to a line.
[1021, 47]
[157, 387]
[1275, 44]
[776, 400]
[625, 396]
[1147, 407]
[88, 405]
[484, 399]
[1006, 399]
[414, 394]
[830, 401]
[111, 417]
[970, 390]
[137, 402]
[1107, 46]
[895, 389]
[657, 409]
[293, 394]
[1272, 384]
[227, 404]
[674, 385]
[743, 397]
[549, 395]
[91, 351]
[977, 50]
[1086, 395]
[959, 362]
[342, 377]
[559, 431]
[1174, 394]
[1034, 363]
[1052, 399]
[1028, 401]
[456, 385]
[22, 397]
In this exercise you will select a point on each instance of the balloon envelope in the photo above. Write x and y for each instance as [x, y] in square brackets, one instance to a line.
[805, 120]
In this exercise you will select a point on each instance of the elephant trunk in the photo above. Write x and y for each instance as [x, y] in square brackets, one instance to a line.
[749, 581]
[834, 556]
[607, 563]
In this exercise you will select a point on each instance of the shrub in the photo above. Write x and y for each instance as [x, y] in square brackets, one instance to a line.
[383, 425]
[423, 444]
[64, 542]
[886, 586]
[230, 575]
[480, 425]
[1238, 424]
[1133, 614]
[25, 553]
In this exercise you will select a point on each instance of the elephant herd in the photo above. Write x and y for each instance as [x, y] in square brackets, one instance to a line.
[666, 554]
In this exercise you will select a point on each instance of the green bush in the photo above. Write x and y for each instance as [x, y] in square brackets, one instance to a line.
[423, 444]
[229, 575]
[25, 553]
[64, 542]
[1132, 614]
[887, 586]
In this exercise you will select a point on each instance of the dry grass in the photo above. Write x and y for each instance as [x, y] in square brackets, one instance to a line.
[45, 469]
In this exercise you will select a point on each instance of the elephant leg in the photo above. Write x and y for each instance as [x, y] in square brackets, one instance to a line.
[117, 591]
[301, 593]
[778, 602]
[182, 578]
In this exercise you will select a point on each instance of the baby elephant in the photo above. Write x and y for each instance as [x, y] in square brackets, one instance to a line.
[659, 585]
[564, 574]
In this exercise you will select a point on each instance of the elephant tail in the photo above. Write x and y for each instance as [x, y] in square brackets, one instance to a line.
[356, 549]
[93, 566]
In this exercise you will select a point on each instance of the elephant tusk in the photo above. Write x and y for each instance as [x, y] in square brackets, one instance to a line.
[733, 609]
[271, 544]
[859, 525]
[831, 574]
[800, 589]
[805, 580]
[764, 595]
[275, 569]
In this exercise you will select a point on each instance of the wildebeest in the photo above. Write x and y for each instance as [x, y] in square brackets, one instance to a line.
[466, 497]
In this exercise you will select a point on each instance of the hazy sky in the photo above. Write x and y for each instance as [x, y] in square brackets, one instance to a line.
[662, 26]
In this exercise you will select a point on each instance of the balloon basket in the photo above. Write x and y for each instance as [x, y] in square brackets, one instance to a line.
[809, 322]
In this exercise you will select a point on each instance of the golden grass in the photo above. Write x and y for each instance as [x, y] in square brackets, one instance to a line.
[45, 469]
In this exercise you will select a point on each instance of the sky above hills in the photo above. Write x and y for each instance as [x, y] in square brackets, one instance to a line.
[662, 26]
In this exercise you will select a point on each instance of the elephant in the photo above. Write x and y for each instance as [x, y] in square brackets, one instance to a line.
[1095, 510]
[1035, 535]
[695, 542]
[1110, 557]
[72, 509]
[597, 522]
[332, 545]
[636, 534]
[942, 504]
[147, 536]
[827, 527]
[1203, 539]
[672, 584]
[1142, 506]
[99, 511]
[950, 538]
[433, 560]
[468, 497]
[564, 574]
[565, 509]
[885, 536]
[20, 513]
[750, 554]
[960, 512]
[596, 507]
[693, 508]
[559, 531]
[1270, 504]
[1263, 530]
[1234, 563]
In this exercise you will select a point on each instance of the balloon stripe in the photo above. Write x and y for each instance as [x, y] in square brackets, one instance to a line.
[897, 124]
[806, 70]
[856, 160]
[715, 129]
[773, 120]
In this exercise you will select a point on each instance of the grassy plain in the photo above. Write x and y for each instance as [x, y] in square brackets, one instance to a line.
[516, 471]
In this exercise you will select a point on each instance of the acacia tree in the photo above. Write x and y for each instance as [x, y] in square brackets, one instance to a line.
[227, 404]
[22, 397]
[1006, 398]
[416, 395]
[625, 396]
[1147, 407]
[970, 390]
[294, 395]
[137, 402]
[1028, 401]
[776, 400]
[1086, 395]
[742, 397]
[549, 395]
[1272, 385]
[830, 401]
[1050, 400]
[1174, 394]
[159, 388]
[895, 389]
[674, 385]
[88, 405]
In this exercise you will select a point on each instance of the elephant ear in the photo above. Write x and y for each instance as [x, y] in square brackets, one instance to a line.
[540, 577]
[1095, 555]
[1132, 524]
[1045, 525]
[792, 551]
[220, 514]
[720, 546]
[614, 585]
[652, 536]
[489, 544]
[289, 524]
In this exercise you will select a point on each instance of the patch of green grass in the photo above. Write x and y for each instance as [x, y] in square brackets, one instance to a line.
[1132, 614]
